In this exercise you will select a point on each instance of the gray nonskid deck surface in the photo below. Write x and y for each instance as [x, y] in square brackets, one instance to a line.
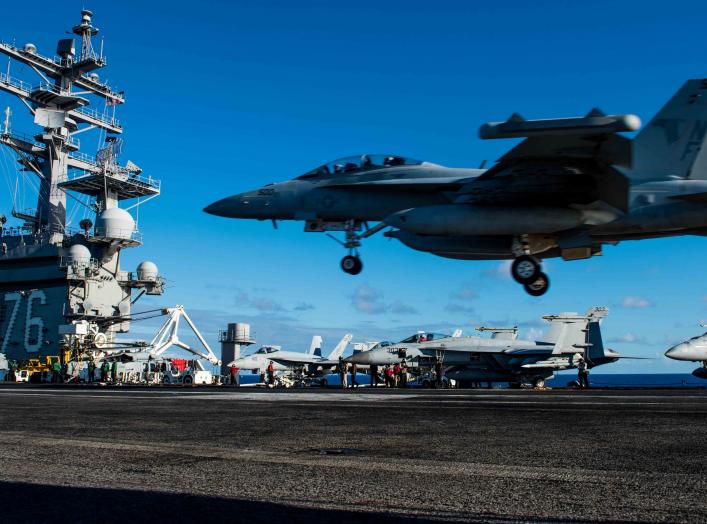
[99, 454]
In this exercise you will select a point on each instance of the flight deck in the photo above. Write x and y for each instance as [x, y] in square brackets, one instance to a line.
[317, 455]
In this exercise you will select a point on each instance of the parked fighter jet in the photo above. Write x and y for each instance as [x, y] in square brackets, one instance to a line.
[504, 358]
[387, 352]
[570, 187]
[693, 350]
[293, 360]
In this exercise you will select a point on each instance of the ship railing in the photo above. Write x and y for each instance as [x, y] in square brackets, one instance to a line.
[84, 157]
[24, 137]
[130, 176]
[56, 60]
[15, 82]
[46, 86]
[74, 142]
[116, 172]
[15, 231]
[79, 263]
[30, 139]
[239, 337]
[94, 113]
[115, 233]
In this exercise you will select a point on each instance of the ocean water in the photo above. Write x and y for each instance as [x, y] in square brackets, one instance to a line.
[637, 380]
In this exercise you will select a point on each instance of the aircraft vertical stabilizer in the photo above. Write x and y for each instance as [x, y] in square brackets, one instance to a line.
[571, 333]
[315, 346]
[671, 144]
[340, 347]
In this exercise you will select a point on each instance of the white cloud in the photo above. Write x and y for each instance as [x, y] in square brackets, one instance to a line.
[264, 304]
[303, 306]
[465, 292]
[635, 302]
[400, 308]
[453, 307]
[367, 300]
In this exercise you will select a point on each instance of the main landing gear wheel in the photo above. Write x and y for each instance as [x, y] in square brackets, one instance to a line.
[351, 264]
[525, 269]
[539, 287]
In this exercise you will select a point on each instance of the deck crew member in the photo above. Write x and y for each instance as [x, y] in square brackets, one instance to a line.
[56, 372]
[374, 375]
[389, 380]
[438, 373]
[342, 372]
[582, 373]
[234, 377]
[404, 374]
[114, 372]
[91, 371]
[271, 374]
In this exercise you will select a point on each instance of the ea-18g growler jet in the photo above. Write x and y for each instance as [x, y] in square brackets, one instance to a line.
[570, 187]
[503, 357]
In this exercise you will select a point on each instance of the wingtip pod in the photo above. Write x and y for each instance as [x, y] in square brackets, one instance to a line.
[594, 123]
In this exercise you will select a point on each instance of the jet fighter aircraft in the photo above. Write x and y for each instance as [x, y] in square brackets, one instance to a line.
[293, 360]
[693, 350]
[570, 187]
[504, 358]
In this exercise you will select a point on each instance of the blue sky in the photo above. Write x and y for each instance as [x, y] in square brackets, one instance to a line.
[227, 96]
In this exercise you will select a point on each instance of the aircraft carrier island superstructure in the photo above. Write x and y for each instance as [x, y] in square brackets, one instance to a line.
[55, 280]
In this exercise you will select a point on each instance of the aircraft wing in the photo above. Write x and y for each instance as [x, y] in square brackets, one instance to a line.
[561, 162]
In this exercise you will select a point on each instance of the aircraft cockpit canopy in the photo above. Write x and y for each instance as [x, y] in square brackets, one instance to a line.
[423, 337]
[359, 164]
[267, 349]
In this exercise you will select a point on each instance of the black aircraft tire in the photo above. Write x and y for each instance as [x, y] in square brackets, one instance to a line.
[525, 269]
[351, 265]
[539, 287]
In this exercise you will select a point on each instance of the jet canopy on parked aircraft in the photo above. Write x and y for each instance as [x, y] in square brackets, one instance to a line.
[267, 349]
[417, 338]
[356, 164]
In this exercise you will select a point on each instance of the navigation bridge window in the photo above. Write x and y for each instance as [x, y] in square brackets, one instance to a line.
[358, 164]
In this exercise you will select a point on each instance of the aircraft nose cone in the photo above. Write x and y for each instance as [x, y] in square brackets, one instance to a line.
[219, 208]
[682, 351]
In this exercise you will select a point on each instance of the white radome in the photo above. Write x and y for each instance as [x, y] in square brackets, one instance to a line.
[115, 223]
[147, 270]
[79, 256]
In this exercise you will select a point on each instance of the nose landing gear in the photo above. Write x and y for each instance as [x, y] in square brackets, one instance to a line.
[351, 263]
[526, 270]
